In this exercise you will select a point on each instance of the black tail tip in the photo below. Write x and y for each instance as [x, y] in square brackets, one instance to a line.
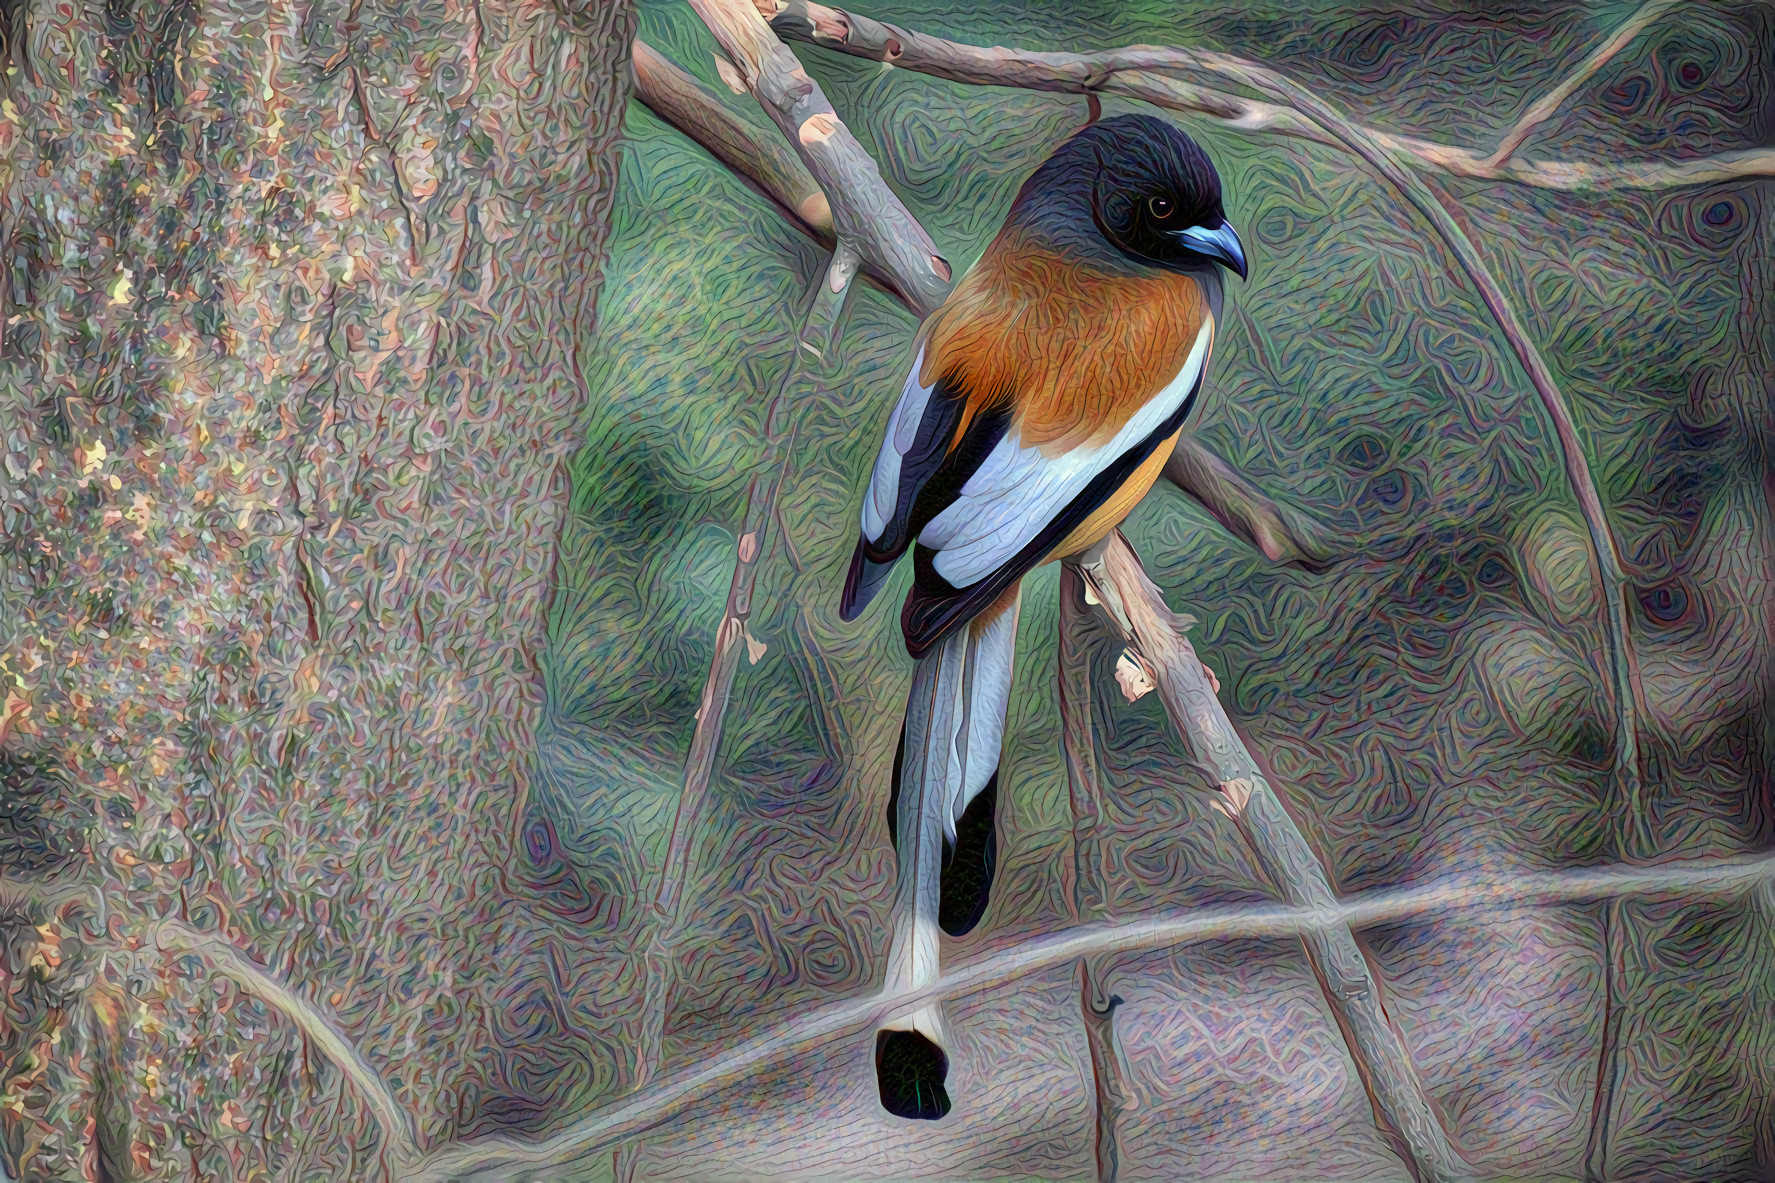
[861, 582]
[910, 1071]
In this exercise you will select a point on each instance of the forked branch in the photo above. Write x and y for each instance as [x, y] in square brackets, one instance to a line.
[1081, 73]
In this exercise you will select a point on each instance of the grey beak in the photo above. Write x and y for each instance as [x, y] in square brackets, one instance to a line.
[1219, 243]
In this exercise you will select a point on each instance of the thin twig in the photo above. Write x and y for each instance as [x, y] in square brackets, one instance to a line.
[173, 936]
[1138, 72]
[510, 1158]
[1351, 989]
[1602, 1092]
[732, 637]
[1623, 676]
[1092, 894]
[822, 318]
[1544, 107]
[1109, 1080]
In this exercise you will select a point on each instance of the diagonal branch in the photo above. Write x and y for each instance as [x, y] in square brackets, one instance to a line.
[504, 1157]
[1140, 72]
[769, 166]
[1623, 675]
[864, 210]
[397, 1125]
[1547, 104]
[1351, 989]
[825, 301]
[1283, 533]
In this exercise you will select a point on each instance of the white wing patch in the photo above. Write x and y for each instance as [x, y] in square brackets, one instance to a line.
[1017, 491]
[902, 430]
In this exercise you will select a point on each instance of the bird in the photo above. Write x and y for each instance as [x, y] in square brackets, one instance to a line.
[1044, 397]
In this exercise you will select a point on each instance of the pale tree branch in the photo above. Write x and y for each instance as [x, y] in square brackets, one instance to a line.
[172, 936]
[1279, 531]
[486, 1160]
[768, 165]
[1283, 533]
[864, 210]
[1139, 72]
[829, 298]
[1382, 1060]
[1624, 676]
[1544, 107]
[825, 301]
[1111, 1083]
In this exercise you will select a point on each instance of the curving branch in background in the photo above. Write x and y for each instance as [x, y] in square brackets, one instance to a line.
[1139, 72]
[510, 1158]
[825, 302]
[1544, 107]
[173, 937]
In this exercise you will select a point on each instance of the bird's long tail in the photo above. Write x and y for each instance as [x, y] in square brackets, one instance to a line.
[945, 791]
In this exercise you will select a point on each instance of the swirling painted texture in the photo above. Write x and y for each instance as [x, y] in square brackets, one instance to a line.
[1430, 702]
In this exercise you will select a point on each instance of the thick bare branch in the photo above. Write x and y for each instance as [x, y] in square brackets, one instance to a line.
[1381, 1057]
[772, 169]
[172, 936]
[1544, 107]
[508, 1158]
[864, 210]
[1140, 72]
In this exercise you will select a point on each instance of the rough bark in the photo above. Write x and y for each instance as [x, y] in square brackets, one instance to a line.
[298, 297]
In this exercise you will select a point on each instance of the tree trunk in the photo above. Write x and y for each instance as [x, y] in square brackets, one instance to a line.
[295, 302]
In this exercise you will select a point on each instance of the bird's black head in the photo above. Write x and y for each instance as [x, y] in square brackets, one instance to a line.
[1140, 186]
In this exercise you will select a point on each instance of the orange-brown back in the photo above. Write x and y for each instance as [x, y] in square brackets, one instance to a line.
[1075, 349]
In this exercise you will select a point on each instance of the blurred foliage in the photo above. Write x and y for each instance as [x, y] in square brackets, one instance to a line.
[1430, 703]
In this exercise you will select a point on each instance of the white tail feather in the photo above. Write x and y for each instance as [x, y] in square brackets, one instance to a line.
[959, 692]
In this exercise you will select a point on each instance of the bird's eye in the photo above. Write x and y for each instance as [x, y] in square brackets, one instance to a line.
[1160, 206]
